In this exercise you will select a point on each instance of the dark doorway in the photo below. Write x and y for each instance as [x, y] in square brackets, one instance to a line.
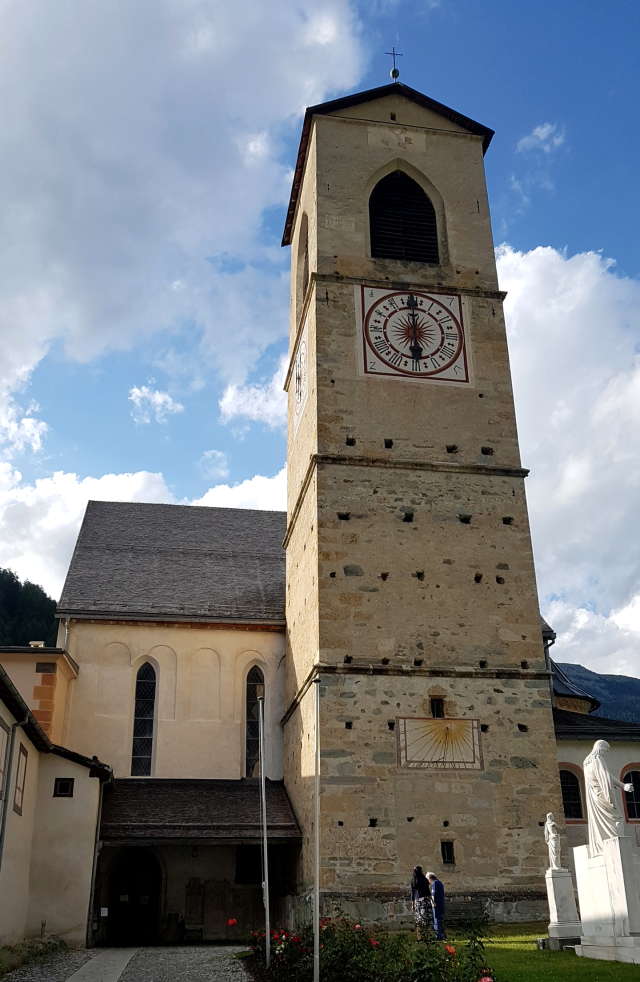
[134, 899]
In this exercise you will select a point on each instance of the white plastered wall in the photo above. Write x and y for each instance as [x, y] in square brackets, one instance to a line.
[200, 697]
[64, 832]
[16, 857]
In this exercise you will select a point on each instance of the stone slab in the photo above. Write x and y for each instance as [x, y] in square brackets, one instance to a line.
[612, 949]
[108, 966]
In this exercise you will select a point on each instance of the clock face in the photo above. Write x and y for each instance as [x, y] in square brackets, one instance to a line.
[412, 335]
[443, 744]
[300, 380]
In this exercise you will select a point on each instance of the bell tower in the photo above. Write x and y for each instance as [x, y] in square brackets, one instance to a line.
[410, 582]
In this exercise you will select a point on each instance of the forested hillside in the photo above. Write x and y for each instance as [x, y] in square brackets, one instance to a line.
[619, 694]
[26, 612]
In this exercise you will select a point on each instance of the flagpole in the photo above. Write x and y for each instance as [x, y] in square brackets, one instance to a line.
[265, 855]
[316, 839]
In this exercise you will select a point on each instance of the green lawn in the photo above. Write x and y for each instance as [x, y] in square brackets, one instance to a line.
[513, 956]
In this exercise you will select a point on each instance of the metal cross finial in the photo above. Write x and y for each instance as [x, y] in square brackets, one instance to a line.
[395, 72]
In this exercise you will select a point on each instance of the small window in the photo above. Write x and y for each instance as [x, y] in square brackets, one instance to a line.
[448, 855]
[4, 747]
[402, 221]
[437, 708]
[144, 714]
[63, 787]
[632, 797]
[571, 795]
[21, 777]
[255, 691]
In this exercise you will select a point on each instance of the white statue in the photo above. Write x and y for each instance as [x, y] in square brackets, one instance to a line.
[552, 838]
[604, 819]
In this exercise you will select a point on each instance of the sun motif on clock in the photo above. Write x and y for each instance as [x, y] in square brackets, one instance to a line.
[300, 380]
[442, 744]
[413, 335]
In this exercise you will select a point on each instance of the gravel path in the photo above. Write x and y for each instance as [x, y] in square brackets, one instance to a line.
[57, 969]
[189, 964]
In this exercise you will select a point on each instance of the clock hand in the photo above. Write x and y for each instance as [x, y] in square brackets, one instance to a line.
[415, 348]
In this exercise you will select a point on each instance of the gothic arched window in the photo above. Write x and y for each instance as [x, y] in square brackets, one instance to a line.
[143, 718]
[255, 691]
[402, 221]
[632, 798]
[571, 794]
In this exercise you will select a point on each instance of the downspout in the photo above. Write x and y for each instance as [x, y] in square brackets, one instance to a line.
[547, 659]
[66, 633]
[90, 942]
[7, 784]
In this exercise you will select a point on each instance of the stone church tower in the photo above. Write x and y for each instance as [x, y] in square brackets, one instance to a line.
[410, 581]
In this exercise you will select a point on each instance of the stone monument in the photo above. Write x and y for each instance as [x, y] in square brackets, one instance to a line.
[564, 923]
[608, 883]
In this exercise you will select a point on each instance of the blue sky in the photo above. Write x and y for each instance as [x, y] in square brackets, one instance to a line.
[145, 162]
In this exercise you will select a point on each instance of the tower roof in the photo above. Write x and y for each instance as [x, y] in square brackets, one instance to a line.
[563, 686]
[335, 105]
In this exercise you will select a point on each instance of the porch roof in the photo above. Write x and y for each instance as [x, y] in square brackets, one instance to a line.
[155, 809]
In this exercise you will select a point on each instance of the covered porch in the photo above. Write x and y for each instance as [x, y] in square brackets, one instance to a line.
[179, 859]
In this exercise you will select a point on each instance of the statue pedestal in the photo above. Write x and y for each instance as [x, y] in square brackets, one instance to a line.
[564, 923]
[609, 894]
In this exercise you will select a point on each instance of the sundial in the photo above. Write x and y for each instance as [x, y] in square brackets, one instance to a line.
[442, 744]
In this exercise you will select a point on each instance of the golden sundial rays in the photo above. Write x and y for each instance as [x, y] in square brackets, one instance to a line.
[452, 744]
[440, 743]
[425, 333]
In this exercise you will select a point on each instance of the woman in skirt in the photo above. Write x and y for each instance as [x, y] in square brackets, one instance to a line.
[420, 898]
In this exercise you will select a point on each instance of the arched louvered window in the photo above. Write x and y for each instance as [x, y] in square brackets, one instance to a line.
[571, 794]
[402, 221]
[632, 798]
[255, 691]
[143, 718]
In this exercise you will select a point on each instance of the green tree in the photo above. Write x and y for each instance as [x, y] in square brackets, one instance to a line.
[26, 612]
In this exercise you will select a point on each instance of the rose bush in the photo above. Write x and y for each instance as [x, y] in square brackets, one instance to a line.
[349, 951]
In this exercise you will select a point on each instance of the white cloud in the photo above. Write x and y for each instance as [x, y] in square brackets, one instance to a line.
[19, 432]
[148, 403]
[546, 138]
[574, 327]
[265, 403]
[140, 140]
[269, 493]
[214, 463]
[39, 522]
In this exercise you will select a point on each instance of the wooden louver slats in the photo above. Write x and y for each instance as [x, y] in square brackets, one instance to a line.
[402, 221]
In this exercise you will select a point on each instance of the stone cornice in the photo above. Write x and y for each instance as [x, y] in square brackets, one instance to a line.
[437, 467]
[410, 671]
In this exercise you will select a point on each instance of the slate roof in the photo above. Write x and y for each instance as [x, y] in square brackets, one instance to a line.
[563, 686]
[357, 99]
[582, 726]
[176, 809]
[155, 561]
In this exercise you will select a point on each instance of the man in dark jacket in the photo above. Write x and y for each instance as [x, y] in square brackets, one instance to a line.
[437, 904]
